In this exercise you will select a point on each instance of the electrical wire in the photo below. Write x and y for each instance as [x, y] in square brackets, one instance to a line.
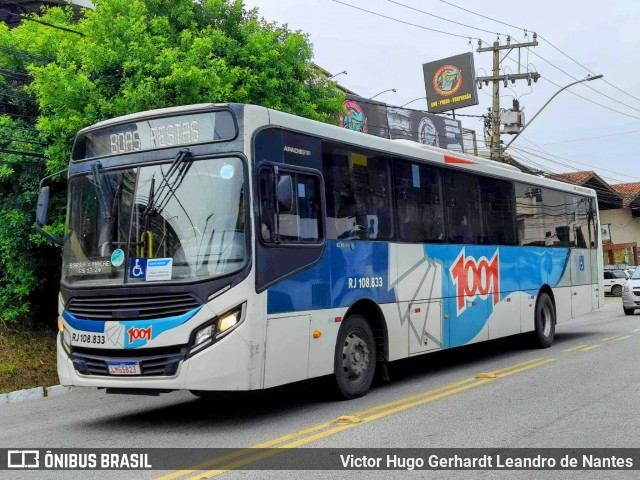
[22, 53]
[581, 163]
[405, 23]
[483, 16]
[18, 140]
[23, 17]
[591, 101]
[444, 19]
[19, 152]
[606, 193]
[584, 139]
[551, 45]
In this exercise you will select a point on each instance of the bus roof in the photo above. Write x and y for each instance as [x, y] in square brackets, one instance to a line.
[334, 132]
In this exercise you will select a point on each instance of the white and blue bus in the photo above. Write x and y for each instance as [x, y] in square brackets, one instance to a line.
[229, 247]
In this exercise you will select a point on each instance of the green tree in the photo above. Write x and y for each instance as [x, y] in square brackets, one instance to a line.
[127, 56]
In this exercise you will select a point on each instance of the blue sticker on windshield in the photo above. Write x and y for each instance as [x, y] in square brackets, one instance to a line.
[117, 257]
[227, 171]
[138, 268]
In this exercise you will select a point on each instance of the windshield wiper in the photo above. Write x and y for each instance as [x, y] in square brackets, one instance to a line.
[164, 183]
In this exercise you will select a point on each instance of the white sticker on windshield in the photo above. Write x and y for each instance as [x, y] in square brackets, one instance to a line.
[227, 171]
[159, 269]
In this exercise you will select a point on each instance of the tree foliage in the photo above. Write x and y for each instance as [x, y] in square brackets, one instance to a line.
[127, 56]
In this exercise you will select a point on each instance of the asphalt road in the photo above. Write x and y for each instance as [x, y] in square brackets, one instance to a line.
[584, 391]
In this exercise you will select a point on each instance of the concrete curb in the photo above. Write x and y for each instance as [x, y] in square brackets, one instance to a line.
[33, 393]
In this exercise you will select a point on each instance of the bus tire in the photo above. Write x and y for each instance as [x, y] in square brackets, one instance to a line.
[355, 358]
[545, 322]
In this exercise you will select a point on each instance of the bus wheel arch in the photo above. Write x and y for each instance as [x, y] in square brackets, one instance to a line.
[544, 319]
[371, 311]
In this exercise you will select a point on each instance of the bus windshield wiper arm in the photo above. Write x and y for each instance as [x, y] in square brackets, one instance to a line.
[164, 183]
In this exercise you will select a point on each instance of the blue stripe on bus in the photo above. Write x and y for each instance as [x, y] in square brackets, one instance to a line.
[83, 325]
[349, 271]
[158, 325]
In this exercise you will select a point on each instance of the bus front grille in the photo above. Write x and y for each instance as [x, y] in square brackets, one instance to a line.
[134, 307]
[162, 364]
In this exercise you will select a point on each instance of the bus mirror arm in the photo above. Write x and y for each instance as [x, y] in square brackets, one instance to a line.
[55, 239]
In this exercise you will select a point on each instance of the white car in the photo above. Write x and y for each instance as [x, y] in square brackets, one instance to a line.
[631, 293]
[629, 271]
[614, 281]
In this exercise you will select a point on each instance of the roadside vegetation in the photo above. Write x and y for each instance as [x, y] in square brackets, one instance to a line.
[123, 57]
[27, 358]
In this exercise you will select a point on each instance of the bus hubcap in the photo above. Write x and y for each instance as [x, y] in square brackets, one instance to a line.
[546, 320]
[355, 357]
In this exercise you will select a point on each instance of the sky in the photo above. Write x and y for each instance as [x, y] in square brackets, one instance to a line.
[600, 37]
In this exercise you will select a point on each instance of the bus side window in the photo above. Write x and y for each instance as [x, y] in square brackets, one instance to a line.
[497, 211]
[302, 224]
[464, 218]
[358, 192]
[530, 221]
[418, 192]
[555, 218]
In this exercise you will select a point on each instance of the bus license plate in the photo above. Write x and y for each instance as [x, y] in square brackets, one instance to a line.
[124, 368]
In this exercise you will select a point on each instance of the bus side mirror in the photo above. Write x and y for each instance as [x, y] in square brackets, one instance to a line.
[285, 194]
[43, 205]
[41, 217]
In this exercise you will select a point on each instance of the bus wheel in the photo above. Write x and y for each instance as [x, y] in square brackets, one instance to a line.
[355, 357]
[545, 322]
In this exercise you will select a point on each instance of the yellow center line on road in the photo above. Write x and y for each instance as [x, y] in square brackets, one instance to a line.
[517, 365]
[526, 367]
[303, 437]
[613, 337]
[622, 337]
[590, 347]
[636, 330]
[575, 348]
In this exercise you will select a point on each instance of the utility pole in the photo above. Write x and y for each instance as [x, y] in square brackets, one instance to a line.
[496, 78]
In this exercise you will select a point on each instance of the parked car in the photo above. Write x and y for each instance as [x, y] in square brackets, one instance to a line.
[631, 293]
[629, 271]
[614, 281]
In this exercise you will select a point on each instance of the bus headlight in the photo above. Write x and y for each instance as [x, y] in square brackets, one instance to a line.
[228, 321]
[65, 336]
[208, 333]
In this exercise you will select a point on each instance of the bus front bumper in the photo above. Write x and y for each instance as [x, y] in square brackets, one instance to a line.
[229, 364]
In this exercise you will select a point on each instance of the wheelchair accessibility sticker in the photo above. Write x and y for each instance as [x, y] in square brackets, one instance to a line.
[138, 268]
[150, 269]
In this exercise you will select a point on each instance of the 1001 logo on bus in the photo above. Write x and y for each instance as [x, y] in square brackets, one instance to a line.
[139, 334]
[473, 278]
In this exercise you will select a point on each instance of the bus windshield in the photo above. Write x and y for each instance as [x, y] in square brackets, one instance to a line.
[174, 221]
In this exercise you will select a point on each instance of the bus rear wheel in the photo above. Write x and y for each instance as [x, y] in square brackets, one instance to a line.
[355, 358]
[545, 322]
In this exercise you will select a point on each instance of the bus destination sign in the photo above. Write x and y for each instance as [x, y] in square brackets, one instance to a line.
[155, 133]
